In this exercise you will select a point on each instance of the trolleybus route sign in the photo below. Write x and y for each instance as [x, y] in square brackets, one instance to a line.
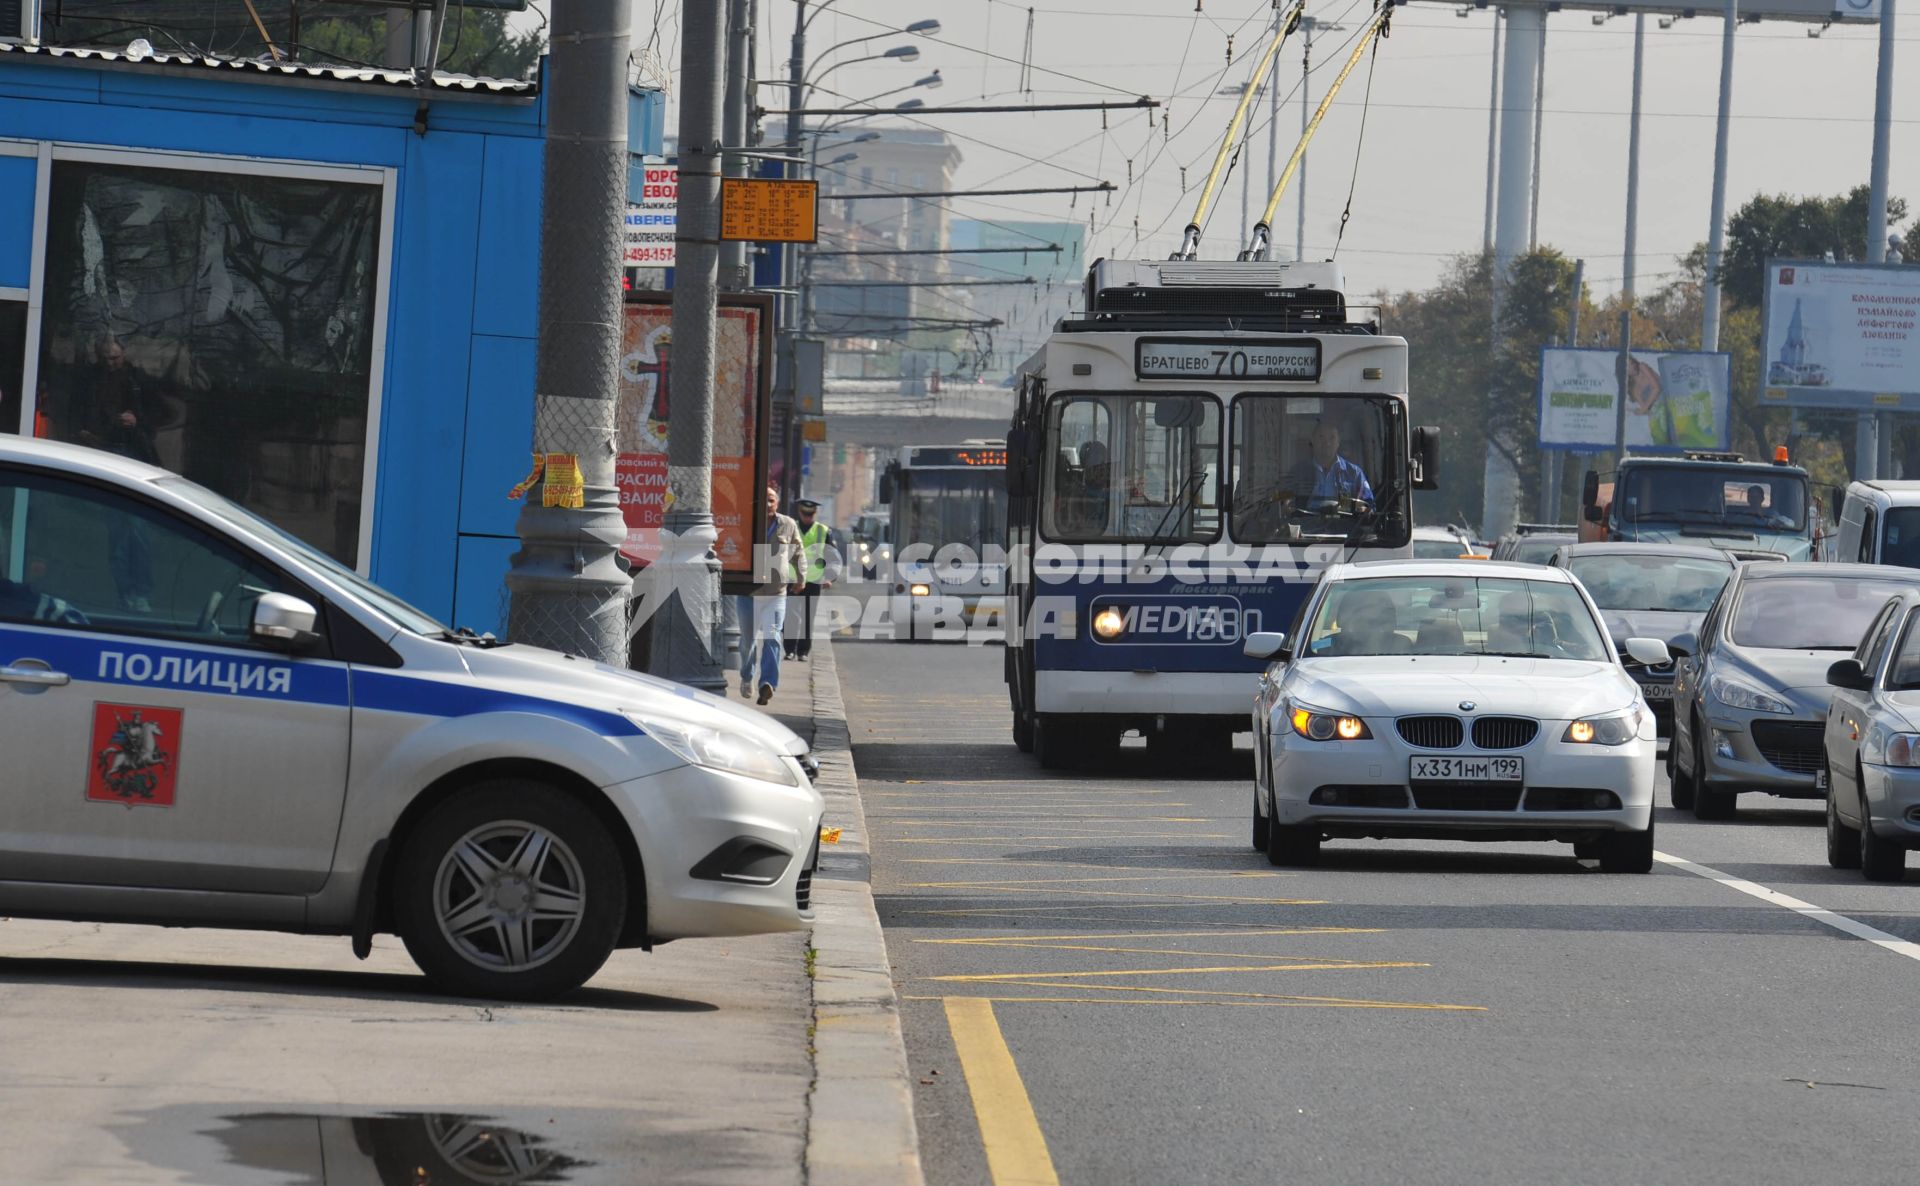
[1199, 358]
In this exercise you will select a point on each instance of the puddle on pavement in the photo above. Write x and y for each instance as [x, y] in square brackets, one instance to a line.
[388, 1149]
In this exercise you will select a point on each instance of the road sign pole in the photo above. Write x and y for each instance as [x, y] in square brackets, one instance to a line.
[1877, 205]
[1717, 224]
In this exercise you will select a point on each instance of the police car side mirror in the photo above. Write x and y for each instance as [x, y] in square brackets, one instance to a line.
[1265, 644]
[283, 621]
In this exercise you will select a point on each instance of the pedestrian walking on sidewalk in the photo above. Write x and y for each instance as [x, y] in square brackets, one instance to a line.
[820, 568]
[766, 608]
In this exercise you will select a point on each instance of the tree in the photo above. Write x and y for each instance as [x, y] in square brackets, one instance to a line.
[476, 40]
[1781, 226]
[1474, 391]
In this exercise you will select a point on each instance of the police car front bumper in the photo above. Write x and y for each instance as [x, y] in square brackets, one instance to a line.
[683, 816]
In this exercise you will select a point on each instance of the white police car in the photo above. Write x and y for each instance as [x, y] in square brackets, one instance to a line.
[205, 722]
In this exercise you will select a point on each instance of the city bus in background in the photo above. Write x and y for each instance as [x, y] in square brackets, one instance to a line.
[1719, 500]
[1185, 458]
[947, 520]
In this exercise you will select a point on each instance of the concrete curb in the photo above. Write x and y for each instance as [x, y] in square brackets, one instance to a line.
[860, 1127]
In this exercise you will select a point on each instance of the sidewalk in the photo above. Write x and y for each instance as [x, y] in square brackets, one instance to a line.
[860, 1126]
[147, 1055]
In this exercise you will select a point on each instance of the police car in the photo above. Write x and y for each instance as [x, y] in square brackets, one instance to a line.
[206, 722]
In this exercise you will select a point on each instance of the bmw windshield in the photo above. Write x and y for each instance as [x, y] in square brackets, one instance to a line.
[1452, 615]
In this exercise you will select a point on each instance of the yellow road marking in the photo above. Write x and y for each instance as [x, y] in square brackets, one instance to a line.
[1065, 836]
[1050, 818]
[1024, 940]
[1064, 865]
[1155, 905]
[1263, 1002]
[1147, 898]
[1009, 1131]
[1076, 880]
[1298, 966]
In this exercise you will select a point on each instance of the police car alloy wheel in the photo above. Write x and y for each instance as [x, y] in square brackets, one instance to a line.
[510, 889]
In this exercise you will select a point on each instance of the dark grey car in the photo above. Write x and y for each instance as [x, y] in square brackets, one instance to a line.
[1658, 591]
[1751, 704]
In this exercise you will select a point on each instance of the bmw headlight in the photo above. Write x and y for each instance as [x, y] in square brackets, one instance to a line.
[716, 749]
[1735, 694]
[1317, 724]
[1615, 728]
[1883, 748]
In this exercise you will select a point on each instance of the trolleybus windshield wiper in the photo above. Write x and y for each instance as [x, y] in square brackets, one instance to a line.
[1175, 503]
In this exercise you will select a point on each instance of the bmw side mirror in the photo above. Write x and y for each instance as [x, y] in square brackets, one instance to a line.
[1683, 643]
[1648, 652]
[1847, 673]
[283, 622]
[1265, 644]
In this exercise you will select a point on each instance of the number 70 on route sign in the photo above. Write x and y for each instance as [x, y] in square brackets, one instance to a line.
[768, 210]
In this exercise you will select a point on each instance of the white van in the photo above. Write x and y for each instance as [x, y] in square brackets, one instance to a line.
[1880, 524]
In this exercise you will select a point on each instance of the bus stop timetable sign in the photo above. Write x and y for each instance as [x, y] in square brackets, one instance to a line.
[1201, 358]
[768, 210]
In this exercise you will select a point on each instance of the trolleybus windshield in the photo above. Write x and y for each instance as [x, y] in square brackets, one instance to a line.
[937, 507]
[1311, 467]
[1133, 468]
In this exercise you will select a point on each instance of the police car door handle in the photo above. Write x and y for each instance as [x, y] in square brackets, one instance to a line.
[38, 676]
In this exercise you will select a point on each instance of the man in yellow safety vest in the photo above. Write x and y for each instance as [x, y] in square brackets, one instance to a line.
[819, 568]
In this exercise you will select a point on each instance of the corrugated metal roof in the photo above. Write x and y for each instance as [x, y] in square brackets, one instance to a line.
[442, 82]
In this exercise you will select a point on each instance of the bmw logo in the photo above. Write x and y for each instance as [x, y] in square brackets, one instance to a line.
[1466, 706]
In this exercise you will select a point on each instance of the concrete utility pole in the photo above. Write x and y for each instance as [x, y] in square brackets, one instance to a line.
[1493, 135]
[1632, 245]
[734, 260]
[569, 590]
[1717, 228]
[1500, 501]
[684, 583]
[1881, 424]
[1539, 145]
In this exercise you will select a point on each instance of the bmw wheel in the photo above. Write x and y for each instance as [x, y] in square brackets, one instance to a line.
[1627, 852]
[1290, 844]
[510, 890]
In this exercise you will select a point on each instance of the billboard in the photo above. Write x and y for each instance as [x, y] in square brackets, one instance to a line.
[1841, 335]
[653, 221]
[742, 347]
[1676, 400]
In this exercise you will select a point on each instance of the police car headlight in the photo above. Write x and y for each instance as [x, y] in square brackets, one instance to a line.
[735, 753]
[1109, 624]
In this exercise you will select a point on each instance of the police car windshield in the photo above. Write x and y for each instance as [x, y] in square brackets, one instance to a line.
[402, 614]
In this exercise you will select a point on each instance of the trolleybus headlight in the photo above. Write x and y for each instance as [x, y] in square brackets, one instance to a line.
[1109, 624]
[920, 590]
[1315, 725]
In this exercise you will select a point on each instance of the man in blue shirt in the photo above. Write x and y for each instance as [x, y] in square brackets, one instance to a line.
[1327, 476]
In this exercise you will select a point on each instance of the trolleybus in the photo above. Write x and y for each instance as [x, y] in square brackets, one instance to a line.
[948, 524]
[1185, 458]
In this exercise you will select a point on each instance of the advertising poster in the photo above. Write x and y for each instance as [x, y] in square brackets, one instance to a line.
[741, 351]
[1842, 335]
[653, 221]
[1676, 400]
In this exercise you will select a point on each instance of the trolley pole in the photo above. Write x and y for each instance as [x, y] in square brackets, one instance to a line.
[684, 582]
[567, 585]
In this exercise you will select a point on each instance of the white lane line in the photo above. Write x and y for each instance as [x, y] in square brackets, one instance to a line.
[1819, 914]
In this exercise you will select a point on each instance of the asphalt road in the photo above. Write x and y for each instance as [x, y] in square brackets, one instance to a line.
[1162, 1006]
